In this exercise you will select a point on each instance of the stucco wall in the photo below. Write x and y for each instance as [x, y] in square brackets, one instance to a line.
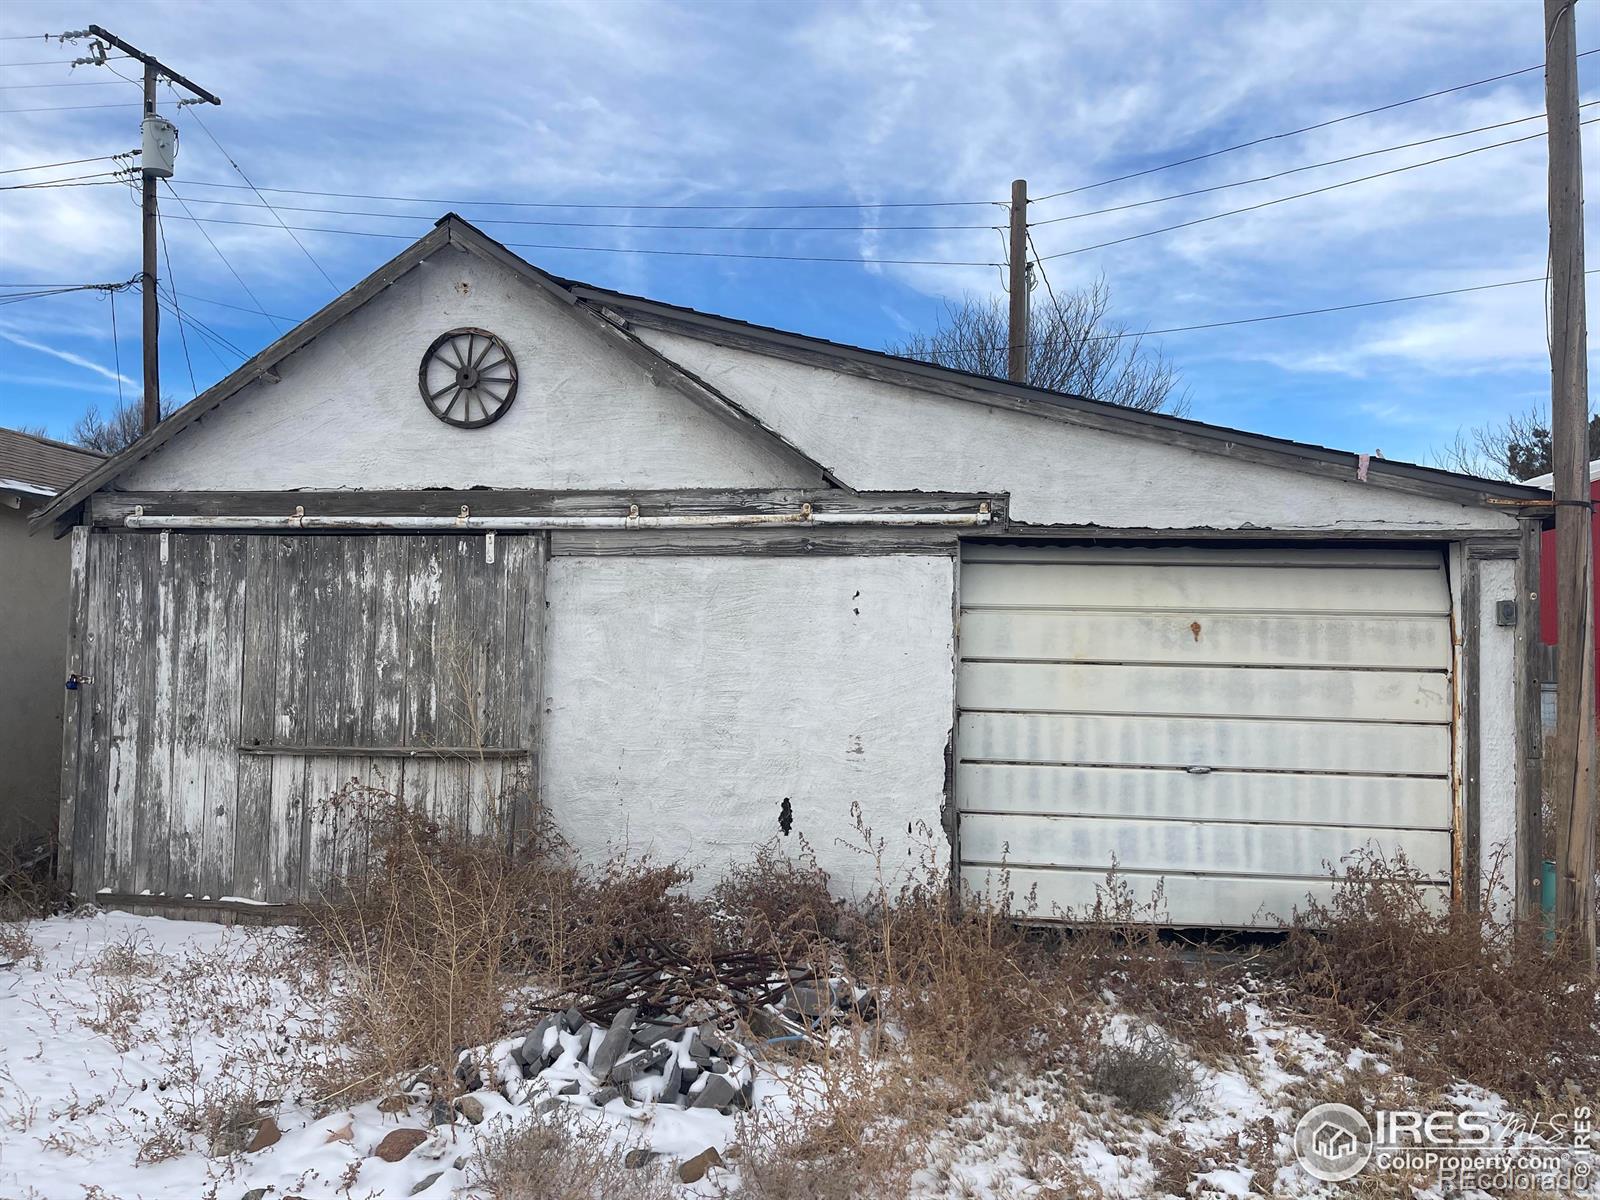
[687, 698]
[347, 413]
[881, 436]
[1497, 707]
[33, 655]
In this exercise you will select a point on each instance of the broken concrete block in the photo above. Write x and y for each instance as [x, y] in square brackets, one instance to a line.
[471, 1108]
[532, 1047]
[639, 1157]
[630, 1066]
[426, 1182]
[651, 1032]
[671, 1081]
[718, 1092]
[605, 1095]
[613, 1043]
[573, 1020]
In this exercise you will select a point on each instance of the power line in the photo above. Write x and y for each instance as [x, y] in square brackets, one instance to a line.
[116, 346]
[29, 291]
[349, 212]
[18, 87]
[1332, 162]
[71, 162]
[68, 181]
[172, 286]
[232, 163]
[1233, 212]
[237, 277]
[905, 262]
[1366, 112]
[1282, 316]
[79, 107]
[56, 62]
[209, 337]
[345, 212]
[607, 207]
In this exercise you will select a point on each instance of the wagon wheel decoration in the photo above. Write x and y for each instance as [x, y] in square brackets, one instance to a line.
[468, 378]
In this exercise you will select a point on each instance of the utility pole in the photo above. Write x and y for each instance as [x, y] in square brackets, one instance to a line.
[1574, 774]
[1017, 327]
[158, 149]
[147, 279]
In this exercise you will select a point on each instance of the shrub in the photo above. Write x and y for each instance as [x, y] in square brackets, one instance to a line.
[555, 1159]
[423, 937]
[776, 898]
[1460, 994]
[1145, 1072]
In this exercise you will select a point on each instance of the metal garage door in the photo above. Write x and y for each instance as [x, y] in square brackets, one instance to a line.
[1227, 722]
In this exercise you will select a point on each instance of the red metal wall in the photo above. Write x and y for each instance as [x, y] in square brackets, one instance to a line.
[1547, 583]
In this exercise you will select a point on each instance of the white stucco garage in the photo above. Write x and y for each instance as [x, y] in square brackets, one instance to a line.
[687, 585]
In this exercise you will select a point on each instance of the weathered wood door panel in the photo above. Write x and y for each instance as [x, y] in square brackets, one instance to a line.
[238, 682]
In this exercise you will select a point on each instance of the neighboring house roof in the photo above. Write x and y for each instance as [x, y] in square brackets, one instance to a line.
[610, 313]
[39, 466]
[1548, 482]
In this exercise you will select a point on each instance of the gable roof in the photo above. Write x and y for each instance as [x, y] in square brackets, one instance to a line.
[450, 230]
[41, 466]
[610, 314]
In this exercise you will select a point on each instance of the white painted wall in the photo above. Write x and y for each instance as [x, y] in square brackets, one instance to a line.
[687, 697]
[1497, 725]
[348, 414]
[883, 436]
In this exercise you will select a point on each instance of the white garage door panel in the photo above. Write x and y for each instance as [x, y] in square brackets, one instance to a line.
[1365, 558]
[1238, 720]
[1087, 843]
[1226, 901]
[1399, 643]
[1115, 741]
[1217, 692]
[1200, 590]
[1221, 796]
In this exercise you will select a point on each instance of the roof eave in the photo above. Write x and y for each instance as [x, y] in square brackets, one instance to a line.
[251, 370]
[1043, 402]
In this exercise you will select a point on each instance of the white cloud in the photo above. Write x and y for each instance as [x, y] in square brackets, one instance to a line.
[664, 103]
[67, 356]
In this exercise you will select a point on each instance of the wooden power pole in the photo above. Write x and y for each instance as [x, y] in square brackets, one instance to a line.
[1017, 327]
[150, 171]
[147, 276]
[1574, 767]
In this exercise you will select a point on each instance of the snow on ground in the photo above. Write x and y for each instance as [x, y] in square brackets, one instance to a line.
[123, 1036]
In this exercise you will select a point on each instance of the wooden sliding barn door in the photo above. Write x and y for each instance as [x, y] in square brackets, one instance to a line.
[248, 689]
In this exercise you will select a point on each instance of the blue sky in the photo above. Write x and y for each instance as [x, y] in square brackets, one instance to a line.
[583, 104]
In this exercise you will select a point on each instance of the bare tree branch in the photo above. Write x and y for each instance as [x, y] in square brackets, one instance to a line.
[115, 432]
[1514, 449]
[1078, 348]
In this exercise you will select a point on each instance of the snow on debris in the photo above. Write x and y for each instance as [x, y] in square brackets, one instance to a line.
[119, 1033]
